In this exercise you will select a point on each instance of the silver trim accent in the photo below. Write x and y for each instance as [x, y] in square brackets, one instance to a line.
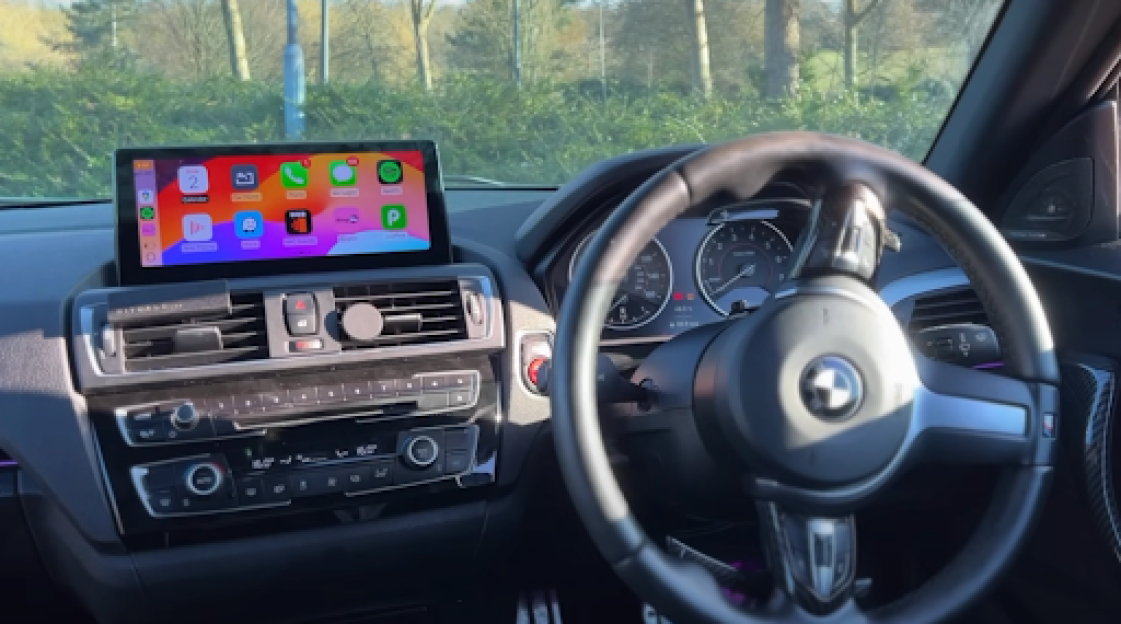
[436, 450]
[218, 479]
[922, 283]
[361, 416]
[91, 374]
[107, 482]
[669, 290]
[700, 283]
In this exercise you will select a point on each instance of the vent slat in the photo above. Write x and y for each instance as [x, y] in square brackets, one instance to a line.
[960, 306]
[243, 333]
[437, 303]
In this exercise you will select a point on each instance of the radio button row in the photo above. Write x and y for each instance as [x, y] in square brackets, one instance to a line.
[460, 381]
[435, 383]
[409, 387]
[384, 389]
[304, 396]
[332, 393]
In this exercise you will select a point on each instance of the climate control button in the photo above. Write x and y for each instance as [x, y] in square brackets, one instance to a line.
[203, 479]
[421, 452]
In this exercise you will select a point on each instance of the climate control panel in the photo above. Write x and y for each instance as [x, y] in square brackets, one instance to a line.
[272, 475]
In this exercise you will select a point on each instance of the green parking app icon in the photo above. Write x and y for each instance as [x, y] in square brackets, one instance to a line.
[394, 217]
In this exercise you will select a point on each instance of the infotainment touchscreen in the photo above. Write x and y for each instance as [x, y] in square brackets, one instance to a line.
[202, 213]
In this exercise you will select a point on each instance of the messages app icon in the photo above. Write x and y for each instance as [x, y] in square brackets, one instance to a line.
[394, 217]
[293, 175]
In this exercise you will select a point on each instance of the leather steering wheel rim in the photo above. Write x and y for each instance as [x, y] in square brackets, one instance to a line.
[740, 169]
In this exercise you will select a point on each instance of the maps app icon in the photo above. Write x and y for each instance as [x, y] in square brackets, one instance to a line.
[249, 224]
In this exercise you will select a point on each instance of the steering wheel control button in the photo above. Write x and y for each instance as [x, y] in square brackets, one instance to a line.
[832, 388]
[203, 479]
[966, 344]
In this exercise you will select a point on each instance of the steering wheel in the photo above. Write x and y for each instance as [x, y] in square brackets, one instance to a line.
[815, 402]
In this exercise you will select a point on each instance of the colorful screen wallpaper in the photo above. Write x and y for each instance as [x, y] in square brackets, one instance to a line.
[280, 206]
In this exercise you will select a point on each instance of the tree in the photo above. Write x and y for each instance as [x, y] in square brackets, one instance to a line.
[852, 19]
[421, 12]
[781, 46]
[552, 40]
[96, 30]
[235, 34]
[702, 65]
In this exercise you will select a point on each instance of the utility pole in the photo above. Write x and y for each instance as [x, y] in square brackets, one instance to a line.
[325, 44]
[295, 88]
[602, 53]
[517, 43]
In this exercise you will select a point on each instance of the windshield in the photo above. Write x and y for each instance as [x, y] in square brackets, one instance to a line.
[513, 91]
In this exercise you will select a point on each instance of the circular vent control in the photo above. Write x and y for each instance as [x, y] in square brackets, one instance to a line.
[362, 321]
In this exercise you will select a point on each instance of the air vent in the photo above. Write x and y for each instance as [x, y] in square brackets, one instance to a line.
[960, 306]
[413, 313]
[208, 339]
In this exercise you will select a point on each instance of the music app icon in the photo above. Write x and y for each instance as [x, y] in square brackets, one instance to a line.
[197, 227]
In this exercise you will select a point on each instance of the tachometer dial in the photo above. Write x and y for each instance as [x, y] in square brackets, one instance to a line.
[741, 261]
[644, 291]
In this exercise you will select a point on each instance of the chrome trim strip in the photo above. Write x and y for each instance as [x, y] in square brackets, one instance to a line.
[922, 283]
[107, 482]
[250, 430]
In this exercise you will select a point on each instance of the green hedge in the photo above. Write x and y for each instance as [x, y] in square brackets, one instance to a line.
[58, 129]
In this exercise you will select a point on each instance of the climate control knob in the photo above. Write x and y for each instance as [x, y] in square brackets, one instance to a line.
[421, 452]
[203, 479]
[185, 417]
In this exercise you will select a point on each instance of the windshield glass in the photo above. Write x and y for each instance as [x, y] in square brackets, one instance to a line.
[513, 91]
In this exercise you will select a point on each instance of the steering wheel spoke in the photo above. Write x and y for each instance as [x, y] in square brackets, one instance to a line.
[812, 559]
[963, 415]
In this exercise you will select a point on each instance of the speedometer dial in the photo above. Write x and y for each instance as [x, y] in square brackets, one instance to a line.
[741, 261]
[644, 291]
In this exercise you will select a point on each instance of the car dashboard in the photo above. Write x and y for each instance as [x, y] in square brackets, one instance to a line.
[399, 467]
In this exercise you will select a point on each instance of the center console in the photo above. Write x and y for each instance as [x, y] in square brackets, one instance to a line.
[290, 336]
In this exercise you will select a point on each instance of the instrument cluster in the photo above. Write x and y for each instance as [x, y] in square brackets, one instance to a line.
[715, 258]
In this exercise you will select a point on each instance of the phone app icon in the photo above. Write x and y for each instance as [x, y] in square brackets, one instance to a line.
[346, 219]
[197, 227]
[394, 217]
[343, 174]
[390, 172]
[249, 224]
[193, 179]
[293, 175]
[147, 213]
[244, 177]
[298, 222]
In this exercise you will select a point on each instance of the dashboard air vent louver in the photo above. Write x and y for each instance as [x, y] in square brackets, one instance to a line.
[960, 306]
[234, 337]
[414, 313]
